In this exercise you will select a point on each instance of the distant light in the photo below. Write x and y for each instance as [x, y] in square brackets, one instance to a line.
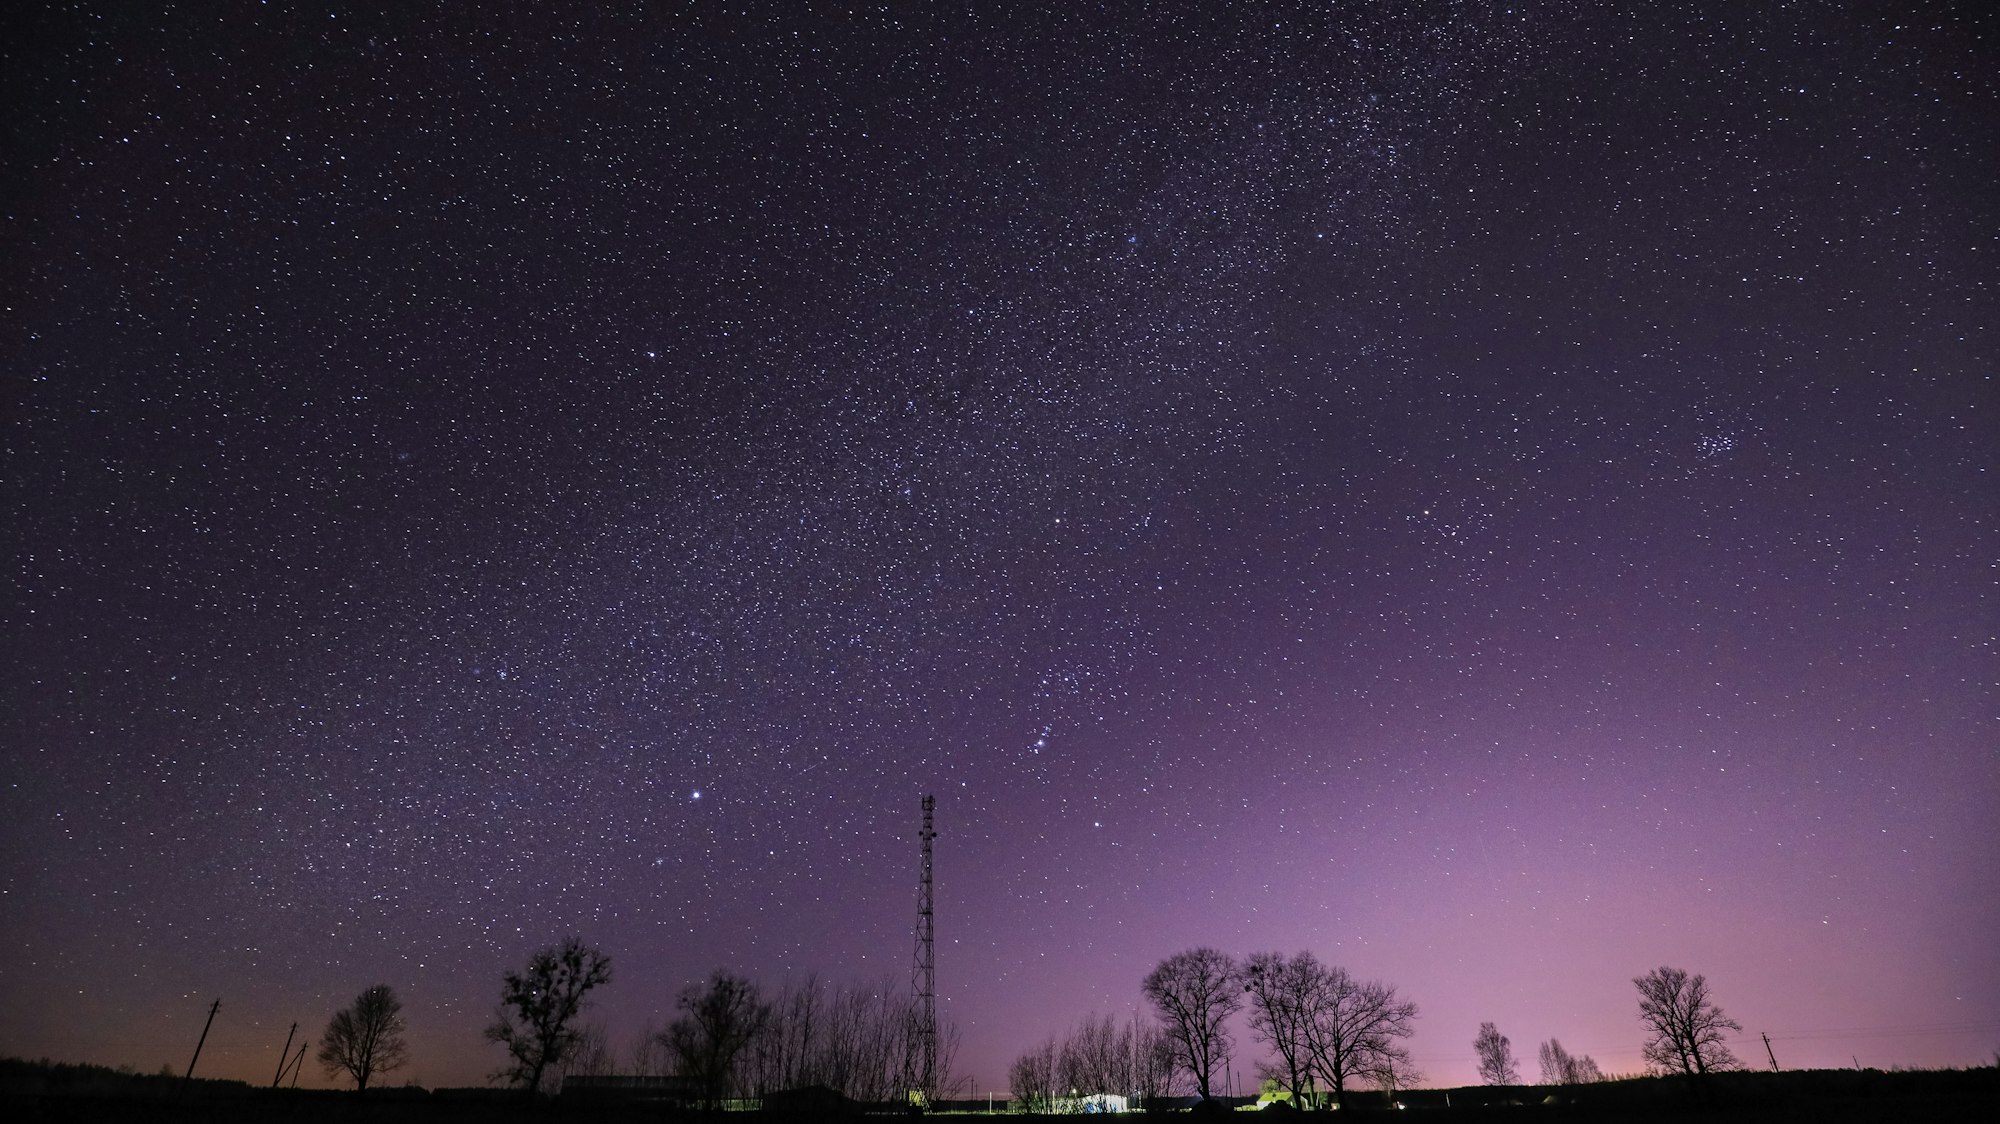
[697, 794]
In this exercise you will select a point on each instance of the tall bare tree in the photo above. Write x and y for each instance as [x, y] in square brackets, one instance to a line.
[589, 1055]
[786, 1055]
[1033, 1076]
[649, 1056]
[1683, 1025]
[1496, 1057]
[1355, 1033]
[539, 1007]
[868, 1041]
[1560, 1067]
[366, 1038]
[1098, 1056]
[1394, 1070]
[1284, 998]
[1149, 1061]
[1093, 1059]
[854, 1040]
[1555, 1062]
[718, 1023]
[1195, 992]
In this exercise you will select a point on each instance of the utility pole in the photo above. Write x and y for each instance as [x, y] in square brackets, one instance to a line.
[1767, 1050]
[283, 1056]
[923, 970]
[212, 1008]
[299, 1062]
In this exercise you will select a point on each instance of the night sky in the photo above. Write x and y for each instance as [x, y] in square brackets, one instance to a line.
[1499, 496]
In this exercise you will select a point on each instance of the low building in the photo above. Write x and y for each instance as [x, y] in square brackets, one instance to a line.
[675, 1091]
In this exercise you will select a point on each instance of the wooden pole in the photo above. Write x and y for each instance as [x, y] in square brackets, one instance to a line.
[212, 1008]
[283, 1056]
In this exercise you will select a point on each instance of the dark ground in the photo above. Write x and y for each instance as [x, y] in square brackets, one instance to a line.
[39, 1091]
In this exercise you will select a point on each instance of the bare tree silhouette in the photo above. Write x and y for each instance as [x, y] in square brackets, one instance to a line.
[856, 1040]
[1683, 1025]
[1283, 1004]
[1149, 1060]
[1195, 992]
[1098, 1057]
[589, 1055]
[539, 1007]
[1560, 1067]
[366, 1038]
[1355, 1033]
[649, 1056]
[1032, 1078]
[717, 1025]
[1496, 1057]
[1091, 1061]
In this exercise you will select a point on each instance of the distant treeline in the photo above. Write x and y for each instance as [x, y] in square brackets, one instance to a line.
[1819, 1095]
[21, 1077]
[49, 1092]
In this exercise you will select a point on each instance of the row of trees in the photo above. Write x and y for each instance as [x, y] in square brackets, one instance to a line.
[1684, 1036]
[1326, 1029]
[728, 1037]
[537, 1022]
[1559, 1067]
[1098, 1058]
[734, 1040]
[859, 1042]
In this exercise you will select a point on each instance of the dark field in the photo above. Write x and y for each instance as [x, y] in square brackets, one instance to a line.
[36, 1091]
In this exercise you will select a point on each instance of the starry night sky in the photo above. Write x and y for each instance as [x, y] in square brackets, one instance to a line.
[1500, 496]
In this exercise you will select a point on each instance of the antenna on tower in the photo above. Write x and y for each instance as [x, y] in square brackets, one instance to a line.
[923, 975]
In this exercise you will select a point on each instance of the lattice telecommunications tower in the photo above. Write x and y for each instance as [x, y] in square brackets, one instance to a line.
[923, 975]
